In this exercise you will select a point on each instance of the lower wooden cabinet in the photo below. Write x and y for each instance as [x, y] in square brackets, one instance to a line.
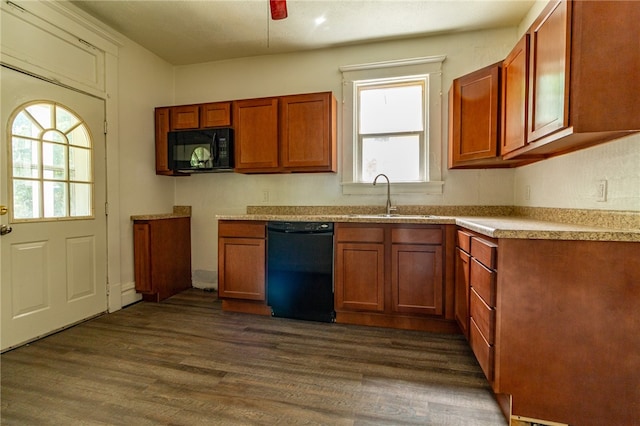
[242, 266]
[162, 257]
[359, 269]
[391, 276]
[482, 302]
[462, 286]
[241, 260]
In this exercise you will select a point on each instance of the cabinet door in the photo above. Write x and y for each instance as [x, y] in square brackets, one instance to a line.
[307, 132]
[142, 257]
[256, 135]
[359, 276]
[514, 97]
[185, 117]
[217, 114]
[462, 291]
[162, 124]
[241, 268]
[416, 278]
[474, 120]
[549, 71]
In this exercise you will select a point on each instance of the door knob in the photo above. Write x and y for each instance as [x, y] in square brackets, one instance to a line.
[4, 229]
[3, 210]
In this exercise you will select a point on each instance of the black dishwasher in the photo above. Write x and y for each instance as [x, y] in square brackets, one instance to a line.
[300, 270]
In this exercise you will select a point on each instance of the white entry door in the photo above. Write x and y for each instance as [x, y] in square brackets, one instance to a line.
[53, 183]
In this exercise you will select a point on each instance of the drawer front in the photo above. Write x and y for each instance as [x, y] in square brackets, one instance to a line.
[483, 351]
[464, 241]
[485, 251]
[484, 316]
[241, 228]
[358, 234]
[417, 235]
[484, 282]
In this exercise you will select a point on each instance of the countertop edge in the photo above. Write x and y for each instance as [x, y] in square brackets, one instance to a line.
[495, 227]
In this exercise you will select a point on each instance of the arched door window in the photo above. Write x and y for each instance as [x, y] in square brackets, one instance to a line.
[51, 164]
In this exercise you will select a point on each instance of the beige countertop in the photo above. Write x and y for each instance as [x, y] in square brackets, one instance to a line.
[516, 227]
[178, 211]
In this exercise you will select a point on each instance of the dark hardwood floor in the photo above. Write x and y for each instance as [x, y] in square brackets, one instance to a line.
[184, 361]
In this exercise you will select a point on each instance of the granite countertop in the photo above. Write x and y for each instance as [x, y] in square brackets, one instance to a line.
[500, 225]
[178, 211]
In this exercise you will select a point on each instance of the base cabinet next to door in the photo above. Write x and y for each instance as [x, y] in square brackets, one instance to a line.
[242, 266]
[162, 257]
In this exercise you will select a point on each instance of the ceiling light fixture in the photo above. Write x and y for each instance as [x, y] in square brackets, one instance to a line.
[278, 9]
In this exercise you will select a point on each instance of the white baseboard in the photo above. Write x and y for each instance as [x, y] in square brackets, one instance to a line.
[129, 294]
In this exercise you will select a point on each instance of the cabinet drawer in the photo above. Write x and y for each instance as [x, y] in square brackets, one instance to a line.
[483, 280]
[357, 234]
[485, 251]
[412, 235]
[245, 229]
[464, 241]
[483, 351]
[484, 316]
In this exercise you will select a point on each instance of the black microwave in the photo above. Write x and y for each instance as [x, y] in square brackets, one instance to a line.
[205, 150]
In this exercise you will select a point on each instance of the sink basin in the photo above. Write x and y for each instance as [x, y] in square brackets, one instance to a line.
[392, 216]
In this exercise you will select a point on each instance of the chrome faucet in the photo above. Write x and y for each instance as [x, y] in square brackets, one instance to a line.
[389, 207]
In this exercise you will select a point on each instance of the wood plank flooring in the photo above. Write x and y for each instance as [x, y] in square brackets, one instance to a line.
[185, 362]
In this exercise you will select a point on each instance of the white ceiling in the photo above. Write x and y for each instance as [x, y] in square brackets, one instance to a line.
[194, 31]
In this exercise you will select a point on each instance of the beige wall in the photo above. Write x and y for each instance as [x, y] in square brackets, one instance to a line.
[145, 81]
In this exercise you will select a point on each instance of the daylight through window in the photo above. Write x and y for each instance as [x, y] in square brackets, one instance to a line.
[391, 129]
[51, 164]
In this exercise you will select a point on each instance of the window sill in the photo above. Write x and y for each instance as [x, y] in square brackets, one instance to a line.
[362, 188]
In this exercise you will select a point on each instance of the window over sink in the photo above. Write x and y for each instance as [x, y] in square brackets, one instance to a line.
[392, 125]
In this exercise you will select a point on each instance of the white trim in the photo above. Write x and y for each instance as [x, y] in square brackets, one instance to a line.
[430, 66]
[129, 295]
[395, 63]
[359, 188]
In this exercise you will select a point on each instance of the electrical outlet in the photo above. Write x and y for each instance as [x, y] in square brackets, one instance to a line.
[527, 192]
[265, 196]
[601, 190]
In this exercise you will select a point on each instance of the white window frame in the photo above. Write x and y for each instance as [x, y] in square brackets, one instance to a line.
[429, 68]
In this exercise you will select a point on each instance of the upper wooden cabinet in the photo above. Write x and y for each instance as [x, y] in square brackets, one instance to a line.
[515, 72]
[282, 134]
[185, 117]
[162, 128]
[256, 134]
[473, 109]
[474, 120]
[583, 87]
[286, 134]
[569, 83]
[216, 114]
[307, 132]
